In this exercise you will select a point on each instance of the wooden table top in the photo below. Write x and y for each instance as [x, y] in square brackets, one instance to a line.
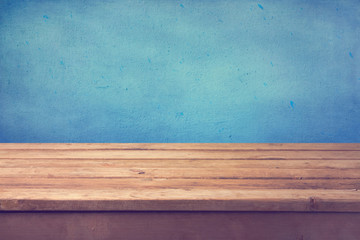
[180, 177]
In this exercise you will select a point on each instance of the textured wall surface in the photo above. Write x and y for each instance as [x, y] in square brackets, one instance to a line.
[180, 71]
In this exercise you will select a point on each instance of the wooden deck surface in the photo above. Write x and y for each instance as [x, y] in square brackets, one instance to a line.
[180, 177]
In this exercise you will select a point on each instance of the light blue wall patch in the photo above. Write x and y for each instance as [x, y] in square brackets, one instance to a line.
[188, 71]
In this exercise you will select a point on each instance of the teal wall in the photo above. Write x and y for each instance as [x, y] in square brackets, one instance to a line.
[180, 71]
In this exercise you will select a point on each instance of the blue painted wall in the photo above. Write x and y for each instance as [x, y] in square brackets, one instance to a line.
[180, 71]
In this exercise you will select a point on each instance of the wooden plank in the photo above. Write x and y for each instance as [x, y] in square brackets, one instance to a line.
[179, 225]
[173, 154]
[185, 146]
[135, 163]
[232, 173]
[179, 200]
[161, 183]
[179, 177]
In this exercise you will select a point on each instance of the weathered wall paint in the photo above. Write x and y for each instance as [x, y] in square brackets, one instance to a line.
[180, 71]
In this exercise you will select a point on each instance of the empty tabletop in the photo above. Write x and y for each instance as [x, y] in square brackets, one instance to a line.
[180, 177]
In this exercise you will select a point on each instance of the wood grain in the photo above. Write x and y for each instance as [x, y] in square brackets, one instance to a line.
[163, 183]
[179, 200]
[182, 173]
[180, 177]
[178, 154]
[138, 163]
